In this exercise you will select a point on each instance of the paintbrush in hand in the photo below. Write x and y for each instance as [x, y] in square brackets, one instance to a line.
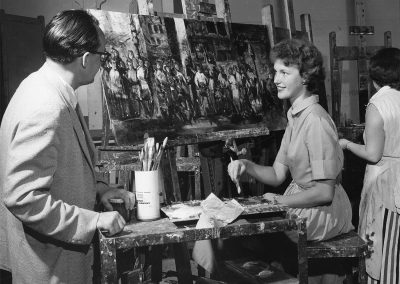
[239, 190]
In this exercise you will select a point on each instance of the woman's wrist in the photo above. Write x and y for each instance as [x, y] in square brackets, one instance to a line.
[275, 199]
[347, 145]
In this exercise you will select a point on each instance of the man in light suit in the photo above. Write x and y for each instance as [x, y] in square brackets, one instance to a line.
[48, 184]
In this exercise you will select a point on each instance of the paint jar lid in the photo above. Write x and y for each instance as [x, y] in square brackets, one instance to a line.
[116, 200]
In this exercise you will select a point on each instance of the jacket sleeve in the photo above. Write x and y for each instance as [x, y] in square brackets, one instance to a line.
[31, 165]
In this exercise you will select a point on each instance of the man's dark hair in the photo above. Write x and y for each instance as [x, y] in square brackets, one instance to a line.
[384, 67]
[305, 56]
[69, 35]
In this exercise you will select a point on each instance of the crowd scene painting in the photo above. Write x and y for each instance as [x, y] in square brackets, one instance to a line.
[177, 77]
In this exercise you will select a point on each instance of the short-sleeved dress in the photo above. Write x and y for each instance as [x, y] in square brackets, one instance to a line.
[380, 197]
[311, 151]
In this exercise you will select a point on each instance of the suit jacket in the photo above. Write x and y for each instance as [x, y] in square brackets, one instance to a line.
[47, 185]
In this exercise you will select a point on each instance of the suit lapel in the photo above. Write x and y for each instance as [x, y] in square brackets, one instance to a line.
[88, 138]
[80, 133]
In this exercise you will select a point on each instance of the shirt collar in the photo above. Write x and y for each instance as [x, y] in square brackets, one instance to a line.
[68, 91]
[303, 104]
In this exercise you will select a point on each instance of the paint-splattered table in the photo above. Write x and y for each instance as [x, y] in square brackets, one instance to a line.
[164, 231]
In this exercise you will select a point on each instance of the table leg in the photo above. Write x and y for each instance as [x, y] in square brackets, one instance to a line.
[108, 261]
[182, 263]
[156, 263]
[302, 251]
[362, 274]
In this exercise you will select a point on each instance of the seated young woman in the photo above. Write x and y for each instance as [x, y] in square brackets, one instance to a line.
[309, 151]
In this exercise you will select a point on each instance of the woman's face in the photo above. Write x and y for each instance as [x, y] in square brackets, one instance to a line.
[288, 81]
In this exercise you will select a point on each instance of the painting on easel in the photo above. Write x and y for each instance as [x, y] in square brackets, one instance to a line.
[175, 77]
[258, 94]
[125, 44]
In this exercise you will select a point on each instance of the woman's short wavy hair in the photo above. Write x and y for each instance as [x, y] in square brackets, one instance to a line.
[384, 67]
[304, 55]
[69, 35]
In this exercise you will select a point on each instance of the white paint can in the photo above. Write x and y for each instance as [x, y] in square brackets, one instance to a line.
[148, 187]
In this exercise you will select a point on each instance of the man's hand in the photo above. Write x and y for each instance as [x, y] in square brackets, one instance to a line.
[110, 223]
[128, 197]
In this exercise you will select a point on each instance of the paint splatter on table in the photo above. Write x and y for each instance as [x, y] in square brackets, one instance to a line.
[191, 210]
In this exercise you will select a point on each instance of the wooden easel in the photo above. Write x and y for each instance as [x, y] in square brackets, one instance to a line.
[360, 53]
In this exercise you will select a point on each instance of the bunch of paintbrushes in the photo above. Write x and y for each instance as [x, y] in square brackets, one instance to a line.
[151, 153]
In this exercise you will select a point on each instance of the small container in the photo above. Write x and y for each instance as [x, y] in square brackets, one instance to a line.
[118, 205]
[148, 187]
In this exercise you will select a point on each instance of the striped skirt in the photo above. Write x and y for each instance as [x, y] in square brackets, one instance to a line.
[390, 270]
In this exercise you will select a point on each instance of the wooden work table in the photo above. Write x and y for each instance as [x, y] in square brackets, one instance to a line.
[163, 231]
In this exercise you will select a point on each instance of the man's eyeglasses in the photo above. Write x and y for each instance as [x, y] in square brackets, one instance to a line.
[103, 55]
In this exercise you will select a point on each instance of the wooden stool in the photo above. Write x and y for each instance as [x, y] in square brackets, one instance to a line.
[346, 245]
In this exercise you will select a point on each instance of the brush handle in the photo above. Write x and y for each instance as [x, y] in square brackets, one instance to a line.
[238, 188]
[158, 158]
[159, 154]
[146, 157]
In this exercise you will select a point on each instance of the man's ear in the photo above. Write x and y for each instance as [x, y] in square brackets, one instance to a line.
[85, 58]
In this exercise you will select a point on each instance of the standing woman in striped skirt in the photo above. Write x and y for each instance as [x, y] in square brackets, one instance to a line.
[380, 198]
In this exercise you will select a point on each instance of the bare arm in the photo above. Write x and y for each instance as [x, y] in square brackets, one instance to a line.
[274, 175]
[372, 151]
[321, 193]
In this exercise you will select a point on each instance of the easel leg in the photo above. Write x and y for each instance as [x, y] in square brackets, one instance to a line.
[206, 174]
[197, 184]
[170, 175]
[182, 263]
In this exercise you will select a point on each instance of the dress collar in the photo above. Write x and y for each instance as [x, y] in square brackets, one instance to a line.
[303, 104]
